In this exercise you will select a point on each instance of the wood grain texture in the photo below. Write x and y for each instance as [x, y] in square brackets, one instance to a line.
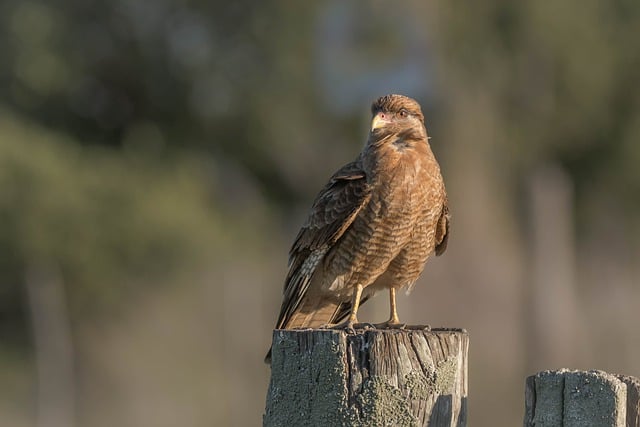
[410, 377]
[633, 400]
[580, 399]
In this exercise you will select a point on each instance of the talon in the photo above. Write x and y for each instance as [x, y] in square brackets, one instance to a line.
[347, 326]
[352, 320]
[389, 324]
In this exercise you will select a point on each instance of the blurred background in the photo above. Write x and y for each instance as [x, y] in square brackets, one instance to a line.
[157, 159]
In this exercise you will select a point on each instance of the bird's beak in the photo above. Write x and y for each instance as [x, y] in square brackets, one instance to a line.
[379, 120]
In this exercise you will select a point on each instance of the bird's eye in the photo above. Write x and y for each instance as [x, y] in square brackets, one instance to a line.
[403, 113]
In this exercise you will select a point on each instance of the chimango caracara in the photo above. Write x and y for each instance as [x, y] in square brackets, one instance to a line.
[371, 228]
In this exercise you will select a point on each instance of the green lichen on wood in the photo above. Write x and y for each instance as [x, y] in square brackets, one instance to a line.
[312, 384]
[419, 385]
[435, 381]
[295, 379]
[594, 398]
[382, 404]
[445, 375]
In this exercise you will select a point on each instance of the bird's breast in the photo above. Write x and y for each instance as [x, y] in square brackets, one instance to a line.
[406, 194]
[405, 182]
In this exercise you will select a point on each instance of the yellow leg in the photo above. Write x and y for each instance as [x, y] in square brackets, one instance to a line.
[353, 314]
[355, 304]
[393, 316]
[394, 321]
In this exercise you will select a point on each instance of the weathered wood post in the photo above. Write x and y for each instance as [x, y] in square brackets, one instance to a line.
[581, 399]
[386, 377]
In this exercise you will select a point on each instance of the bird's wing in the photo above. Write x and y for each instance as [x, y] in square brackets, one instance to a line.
[442, 229]
[333, 211]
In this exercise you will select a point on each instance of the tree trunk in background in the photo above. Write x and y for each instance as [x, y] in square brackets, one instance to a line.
[552, 298]
[53, 347]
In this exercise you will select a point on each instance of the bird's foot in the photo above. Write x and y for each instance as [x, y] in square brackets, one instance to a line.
[390, 324]
[347, 326]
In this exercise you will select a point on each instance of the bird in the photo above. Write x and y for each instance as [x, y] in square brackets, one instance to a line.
[372, 227]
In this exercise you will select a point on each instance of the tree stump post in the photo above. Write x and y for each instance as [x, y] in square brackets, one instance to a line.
[387, 377]
[581, 399]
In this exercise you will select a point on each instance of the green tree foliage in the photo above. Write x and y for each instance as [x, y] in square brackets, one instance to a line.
[563, 80]
[107, 220]
[142, 142]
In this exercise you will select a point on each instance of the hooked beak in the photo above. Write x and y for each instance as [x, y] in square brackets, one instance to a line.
[379, 120]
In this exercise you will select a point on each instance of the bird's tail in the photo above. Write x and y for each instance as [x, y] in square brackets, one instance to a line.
[314, 314]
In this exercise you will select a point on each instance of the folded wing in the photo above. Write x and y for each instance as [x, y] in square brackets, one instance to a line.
[332, 213]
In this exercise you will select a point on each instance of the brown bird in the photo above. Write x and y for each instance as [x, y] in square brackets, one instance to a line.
[372, 227]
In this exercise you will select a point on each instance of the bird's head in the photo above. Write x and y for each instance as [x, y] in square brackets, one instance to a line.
[394, 113]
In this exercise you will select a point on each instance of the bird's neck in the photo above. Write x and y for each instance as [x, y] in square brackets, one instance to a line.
[383, 155]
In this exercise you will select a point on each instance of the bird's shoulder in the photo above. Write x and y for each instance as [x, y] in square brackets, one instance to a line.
[334, 208]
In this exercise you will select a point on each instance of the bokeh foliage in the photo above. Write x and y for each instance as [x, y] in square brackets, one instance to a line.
[106, 219]
[563, 80]
[146, 144]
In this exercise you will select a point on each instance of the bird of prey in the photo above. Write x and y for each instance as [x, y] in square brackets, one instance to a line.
[372, 227]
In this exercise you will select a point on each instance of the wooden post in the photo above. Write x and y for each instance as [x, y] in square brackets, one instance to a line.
[633, 400]
[386, 377]
[581, 399]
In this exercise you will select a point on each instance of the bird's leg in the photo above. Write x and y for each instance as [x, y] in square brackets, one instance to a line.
[394, 321]
[353, 314]
[393, 314]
